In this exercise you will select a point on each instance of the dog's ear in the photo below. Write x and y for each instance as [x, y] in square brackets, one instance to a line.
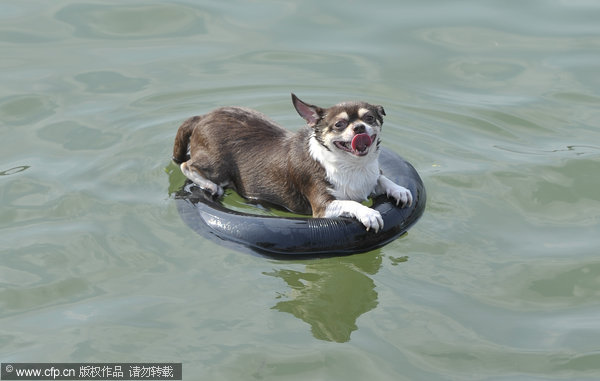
[381, 112]
[312, 114]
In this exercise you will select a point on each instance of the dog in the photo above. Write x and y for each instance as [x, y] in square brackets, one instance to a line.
[326, 169]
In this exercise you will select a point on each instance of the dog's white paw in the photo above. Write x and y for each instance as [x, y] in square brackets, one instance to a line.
[402, 195]
[214, 190]
[369, 217]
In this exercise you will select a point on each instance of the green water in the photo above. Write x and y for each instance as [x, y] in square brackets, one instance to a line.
[496, 103]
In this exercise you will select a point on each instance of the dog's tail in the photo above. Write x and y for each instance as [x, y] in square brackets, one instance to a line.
[182, 140]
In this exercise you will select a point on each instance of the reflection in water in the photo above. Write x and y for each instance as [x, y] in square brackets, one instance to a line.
[331, 294]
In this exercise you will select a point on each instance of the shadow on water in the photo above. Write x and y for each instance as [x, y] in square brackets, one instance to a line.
[331, 294]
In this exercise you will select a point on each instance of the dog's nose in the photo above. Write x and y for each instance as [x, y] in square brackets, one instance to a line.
[359, 129]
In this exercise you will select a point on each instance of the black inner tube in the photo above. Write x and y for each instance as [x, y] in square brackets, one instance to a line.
[305, 236]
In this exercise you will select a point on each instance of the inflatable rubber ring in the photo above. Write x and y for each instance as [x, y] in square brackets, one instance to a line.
[305, 236]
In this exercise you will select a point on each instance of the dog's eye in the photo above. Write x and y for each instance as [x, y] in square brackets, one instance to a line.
[369, 118]
[341, 124]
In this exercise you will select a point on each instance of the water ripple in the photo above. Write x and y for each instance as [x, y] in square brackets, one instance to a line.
[14, 170]
[132, 21]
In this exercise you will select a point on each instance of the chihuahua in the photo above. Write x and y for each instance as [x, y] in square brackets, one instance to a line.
[325, 169]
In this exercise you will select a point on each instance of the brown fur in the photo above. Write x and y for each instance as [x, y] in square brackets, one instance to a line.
[278, 169]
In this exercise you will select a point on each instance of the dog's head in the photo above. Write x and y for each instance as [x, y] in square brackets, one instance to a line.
[349, 128]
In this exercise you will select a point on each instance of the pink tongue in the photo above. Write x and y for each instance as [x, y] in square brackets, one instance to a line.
[360, 142]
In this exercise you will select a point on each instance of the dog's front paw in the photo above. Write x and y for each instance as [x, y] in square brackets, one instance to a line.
[402, 195]
[370, 218]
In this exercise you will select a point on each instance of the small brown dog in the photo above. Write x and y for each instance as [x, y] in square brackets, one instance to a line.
[327, 168]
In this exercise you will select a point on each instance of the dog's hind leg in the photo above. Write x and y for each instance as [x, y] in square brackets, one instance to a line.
[192, 173]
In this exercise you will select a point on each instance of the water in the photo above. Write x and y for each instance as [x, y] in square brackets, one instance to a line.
[495, 103]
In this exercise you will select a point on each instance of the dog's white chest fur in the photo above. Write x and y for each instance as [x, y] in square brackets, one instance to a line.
[351, 178]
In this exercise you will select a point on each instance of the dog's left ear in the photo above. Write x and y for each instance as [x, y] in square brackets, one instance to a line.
[312, 114]
[381, 113]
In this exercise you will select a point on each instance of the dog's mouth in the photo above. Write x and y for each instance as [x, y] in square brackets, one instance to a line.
[359, 145]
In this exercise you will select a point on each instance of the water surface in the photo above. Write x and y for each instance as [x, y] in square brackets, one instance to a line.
[495, 103]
